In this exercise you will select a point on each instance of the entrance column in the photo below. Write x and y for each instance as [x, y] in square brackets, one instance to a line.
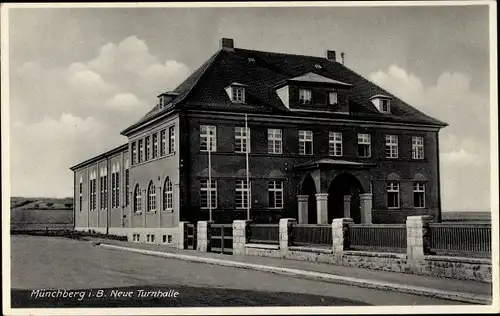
[322, 208]
[303, 208]
[347, 206]
[365, 200]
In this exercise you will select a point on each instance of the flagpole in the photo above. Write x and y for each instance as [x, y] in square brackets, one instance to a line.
[246, 156]
[209, 175]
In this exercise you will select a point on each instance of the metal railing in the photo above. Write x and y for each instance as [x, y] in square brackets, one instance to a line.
[379, 237]
[264, 234]
[461, 239]
[312, 235]
[221, 236]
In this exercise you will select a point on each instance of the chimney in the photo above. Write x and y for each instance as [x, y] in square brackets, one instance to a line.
[227, 44]
[330, 55]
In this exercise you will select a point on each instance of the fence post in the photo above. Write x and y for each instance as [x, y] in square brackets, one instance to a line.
[418, 236]
[340, 235]
[203, 236]
[303, 208]
[182, 239]
[240, 236]
[285, 228]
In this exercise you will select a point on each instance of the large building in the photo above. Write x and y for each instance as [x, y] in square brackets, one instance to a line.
[323, 142]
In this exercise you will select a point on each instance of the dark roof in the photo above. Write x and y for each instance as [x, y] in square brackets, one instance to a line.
[262, 71]
[106, 154]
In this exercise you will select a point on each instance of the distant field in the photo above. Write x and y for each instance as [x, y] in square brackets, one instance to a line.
[28, 214]
[466, 216]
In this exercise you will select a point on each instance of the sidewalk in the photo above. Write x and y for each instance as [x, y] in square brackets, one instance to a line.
[440, 284]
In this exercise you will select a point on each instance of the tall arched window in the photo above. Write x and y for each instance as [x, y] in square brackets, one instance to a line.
[151, 197]
[168, 195]
[137, 199]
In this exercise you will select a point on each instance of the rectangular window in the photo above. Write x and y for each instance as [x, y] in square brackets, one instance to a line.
[163, 144]
[391, 146]
[80, 205]
[155, 145]
[105, 206]
[243, 193]
[117, 189]
[305, 142]
[332, 98]
[419, 195]
[141, 151]
[393, 195]
[241, 140]
[208, 134]
[171, 137]
[364, 145]
[238, 94]
[164, 239]
[148, 148]
[94, 195]
[136, 237]
[274, 141]
[113, 190]
[305, 96]
[385, 106]
[134, 153]
[127, 187]
[204, 194]
[275, 194]
[335, 144]
[417, 147]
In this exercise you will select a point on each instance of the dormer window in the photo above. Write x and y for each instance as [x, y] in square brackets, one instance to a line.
[305, 96]
[385, 106]
[332, 98]
[382, 103]
[238, 94]
[161, 101]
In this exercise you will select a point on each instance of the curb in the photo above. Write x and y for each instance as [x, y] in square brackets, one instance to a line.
[319, 276]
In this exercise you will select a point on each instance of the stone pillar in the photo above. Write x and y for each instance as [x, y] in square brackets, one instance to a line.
[418, 236]
[285, 228]
[340, 234]
[182, 239]
[365, 201]
[322, 208]
[203, 236]
[240, 236]
[303, 208]
[347, 206]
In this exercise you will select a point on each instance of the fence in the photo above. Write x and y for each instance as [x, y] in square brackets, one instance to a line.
[385, 237]
[461, 239]
[221, 236]
[312, 235]
[264, 234]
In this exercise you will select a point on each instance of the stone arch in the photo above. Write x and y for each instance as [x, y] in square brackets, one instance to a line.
[308, 188]
[393, 177]
[242, 173]
[344, 184]
[276, 174]
[418, 177]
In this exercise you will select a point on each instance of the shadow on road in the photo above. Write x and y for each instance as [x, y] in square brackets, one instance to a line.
[187, 297]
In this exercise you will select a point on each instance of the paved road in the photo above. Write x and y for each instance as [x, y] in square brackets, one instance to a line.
[60, 263]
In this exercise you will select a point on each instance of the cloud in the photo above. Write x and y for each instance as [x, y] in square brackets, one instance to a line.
[464, 144]
[64, 115]
[43, 152]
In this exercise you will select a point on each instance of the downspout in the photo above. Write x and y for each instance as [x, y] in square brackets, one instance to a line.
[439, 217]
[108, 208]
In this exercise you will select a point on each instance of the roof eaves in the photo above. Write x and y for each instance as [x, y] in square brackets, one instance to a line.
[100, 156]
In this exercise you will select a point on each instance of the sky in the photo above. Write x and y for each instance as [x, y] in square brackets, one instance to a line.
[79, 76]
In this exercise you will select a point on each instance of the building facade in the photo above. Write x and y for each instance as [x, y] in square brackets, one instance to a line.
[265, 135]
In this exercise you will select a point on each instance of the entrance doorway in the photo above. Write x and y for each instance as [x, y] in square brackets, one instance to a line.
[309, 189]
[341, 185]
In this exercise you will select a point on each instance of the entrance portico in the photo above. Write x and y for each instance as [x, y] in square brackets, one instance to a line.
[333, 188]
